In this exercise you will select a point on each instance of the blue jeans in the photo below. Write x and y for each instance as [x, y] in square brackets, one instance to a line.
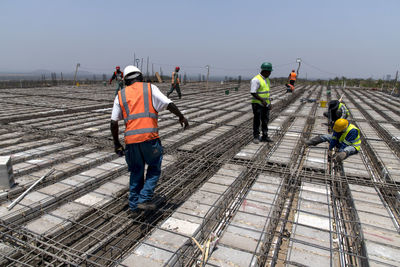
[149, 152]
[350, 150]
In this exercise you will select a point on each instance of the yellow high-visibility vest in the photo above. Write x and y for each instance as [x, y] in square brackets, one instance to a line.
[263, 90]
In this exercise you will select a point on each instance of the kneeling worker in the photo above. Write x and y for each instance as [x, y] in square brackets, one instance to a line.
[336, 110]
[346, 138]
[138, 105]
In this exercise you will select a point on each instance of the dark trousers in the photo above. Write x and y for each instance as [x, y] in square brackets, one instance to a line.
[292, 82]
[178, 90]
[261, 114]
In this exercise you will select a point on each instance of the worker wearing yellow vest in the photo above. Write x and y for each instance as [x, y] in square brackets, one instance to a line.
[292, 77]
[138, 104]
[261, 103]
[175, 82]
[345, 137]
[336, 110]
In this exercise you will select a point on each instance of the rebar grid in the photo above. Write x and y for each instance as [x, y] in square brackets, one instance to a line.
[111, 233]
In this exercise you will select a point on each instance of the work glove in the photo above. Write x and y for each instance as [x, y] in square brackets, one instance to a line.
[119, 150]
[339, 157]
[269, 106]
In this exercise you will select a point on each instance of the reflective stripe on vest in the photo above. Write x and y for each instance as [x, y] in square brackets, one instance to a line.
[356, 143]
[138, 112]
[263, 90]
[293, 76]
[343, 107]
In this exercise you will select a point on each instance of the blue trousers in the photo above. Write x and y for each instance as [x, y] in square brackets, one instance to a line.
[350, 150]
[137, 155]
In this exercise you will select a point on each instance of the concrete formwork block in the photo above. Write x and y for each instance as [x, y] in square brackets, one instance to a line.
[180, 226]
[313, 220]
[215, 188]
[380, 254]
[221, 179]
[261, 196]
[255, 207]
[70, 211]
[166, 240]
[57, 189]
[194, 209]
[249, 221]
[78, 181]
[224, 257]
[149, 256]
[243, 239]
[6, 173]
[93, 199]
[44, 224]
[111, 189]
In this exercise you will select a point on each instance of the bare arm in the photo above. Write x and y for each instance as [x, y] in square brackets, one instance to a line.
[119, 149]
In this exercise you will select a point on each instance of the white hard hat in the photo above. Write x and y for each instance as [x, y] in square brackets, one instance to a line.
[129, 72]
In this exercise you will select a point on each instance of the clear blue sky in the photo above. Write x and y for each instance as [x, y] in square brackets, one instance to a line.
[358, 38]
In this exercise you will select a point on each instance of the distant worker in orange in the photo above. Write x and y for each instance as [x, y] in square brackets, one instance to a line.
[175, 83]
[118, 75]
[292, 78]
[289, 88]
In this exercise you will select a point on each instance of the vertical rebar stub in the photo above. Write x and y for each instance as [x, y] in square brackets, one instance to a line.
[6, 173]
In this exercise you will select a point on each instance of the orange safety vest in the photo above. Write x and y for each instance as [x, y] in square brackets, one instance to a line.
[293, 76]
[119, 76]
[139, 114]
[175, 78]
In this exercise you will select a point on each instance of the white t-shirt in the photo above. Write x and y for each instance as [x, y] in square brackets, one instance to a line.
[160, 102]
[255, 84]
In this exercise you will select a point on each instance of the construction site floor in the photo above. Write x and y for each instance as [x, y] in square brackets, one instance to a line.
[222, 200]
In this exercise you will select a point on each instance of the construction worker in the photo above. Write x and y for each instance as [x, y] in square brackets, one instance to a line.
[336, 110]
[261, 103]
[118, 75]
[345, 137]
[138, 105]
[175, 83]
[289, 88]
[292, 78]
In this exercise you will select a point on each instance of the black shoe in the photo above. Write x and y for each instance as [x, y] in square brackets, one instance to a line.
[266, 139]
[148, 205]
[256, 140]
[133, 214]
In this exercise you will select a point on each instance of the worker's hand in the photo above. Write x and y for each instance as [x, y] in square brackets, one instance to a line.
[119, 150]
[184, 122]
[339, 157]
[269, 106]
[264, 103]
[330, 152]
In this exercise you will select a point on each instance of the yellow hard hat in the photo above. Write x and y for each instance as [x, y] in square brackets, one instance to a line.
[340, 125]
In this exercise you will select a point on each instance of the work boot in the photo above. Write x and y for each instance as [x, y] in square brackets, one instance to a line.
[133, 214]
[148, 205]
[313, 141]
[339, 157]
[256, 140]
[266, 139]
